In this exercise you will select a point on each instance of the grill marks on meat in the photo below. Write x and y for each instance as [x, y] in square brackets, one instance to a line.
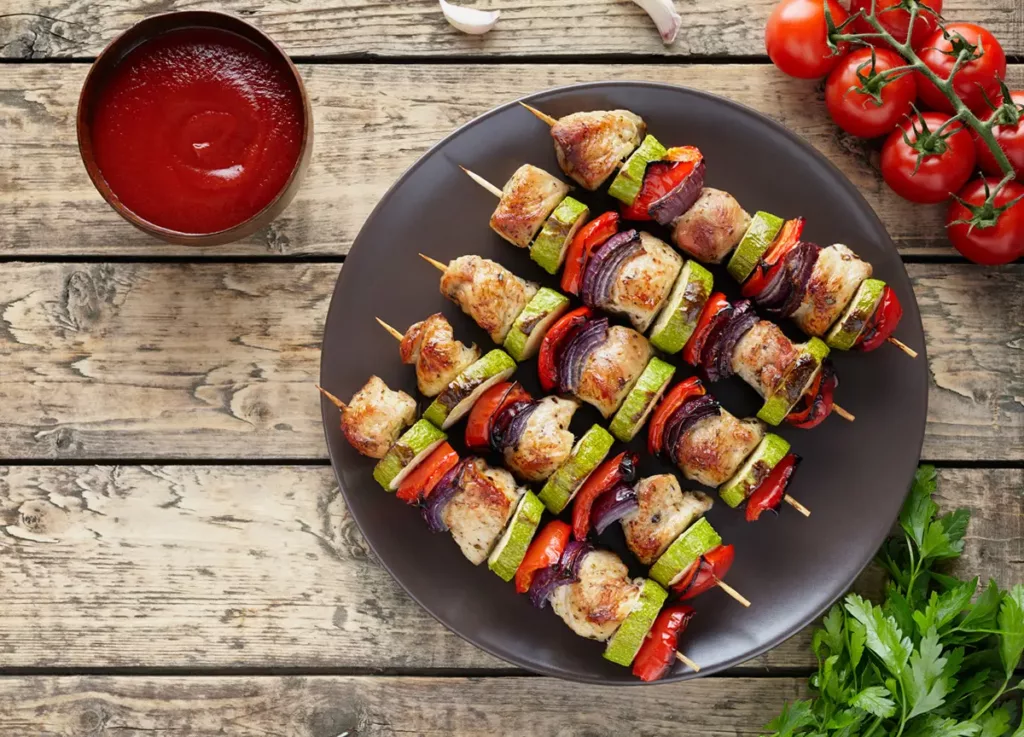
[612, 368]
[665, 512]
[528, 198]
[710, 229]
[600, 601]
[645, 281]
[546, 442]
[589, 145]
[763, 357]
[375, 418]
[713, 449]
[430, 344]
[481, 508]
[488, 292]
[836, 276]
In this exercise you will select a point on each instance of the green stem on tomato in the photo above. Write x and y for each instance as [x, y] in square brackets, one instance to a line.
[961, 111]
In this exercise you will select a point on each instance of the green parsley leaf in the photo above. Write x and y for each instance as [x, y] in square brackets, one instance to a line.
[794, 716]
[936, 726]
[884, 637]
[833, 633]
[919, 509]
[1011, 626]
[924, 682]
[875, 700]
[997, 722]
[982, 616]
[942, 608]
[858, 636]
[897, 607]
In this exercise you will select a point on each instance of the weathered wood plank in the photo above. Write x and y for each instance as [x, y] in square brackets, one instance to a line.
[383, 707]
[372, 123]
[380, 28]
[259, 567]
[217, 360]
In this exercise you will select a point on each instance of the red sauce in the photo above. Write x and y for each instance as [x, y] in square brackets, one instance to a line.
[198, 130]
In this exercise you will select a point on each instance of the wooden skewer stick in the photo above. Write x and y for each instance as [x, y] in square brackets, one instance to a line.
[496, 191]
[843, 413]
[686, 661]
[796, 505]
[435, 263]
[732, 592]
[394, 333]
[543, 116]
[334, 400]
[903, 346]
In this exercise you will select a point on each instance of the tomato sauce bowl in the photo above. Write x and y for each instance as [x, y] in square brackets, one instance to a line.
[195, 127]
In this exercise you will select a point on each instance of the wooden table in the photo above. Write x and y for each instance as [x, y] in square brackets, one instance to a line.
[174, 555]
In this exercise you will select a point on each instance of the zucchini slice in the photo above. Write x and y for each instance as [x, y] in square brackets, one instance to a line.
[765, 457]
[641, 399]
[588, 453]
[511, 548]
[759, 236]
[627, 183]
[548, 250]
[409, 450]
[797, 380]
[677, 321]
[696, 540]
[524, 338]
[843, 335]
[630, 635]
[458, 398]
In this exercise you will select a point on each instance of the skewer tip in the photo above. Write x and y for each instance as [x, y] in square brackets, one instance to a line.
[687, 662]
[434, 262]
[394, 333]
[902, 346]
[333, 399]
[796, 505]
[843, 413]
[543, 116]
[733, 593]
[494, 190]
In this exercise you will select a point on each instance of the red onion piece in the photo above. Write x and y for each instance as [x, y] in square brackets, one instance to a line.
[574, 355]
[612, 506]
[604, 264]
[716, 358]
[783, 294]
[509, 424]
[438, 500]
[668, 207]
[546, 581]
[685, 417]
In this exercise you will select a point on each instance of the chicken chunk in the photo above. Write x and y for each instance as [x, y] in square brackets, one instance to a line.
[546, 441]
[710, 229]
[376, 416]
[712, 450]
[481, 508]
[526, 201]
[601, 600]
[644, 282]
[763, 356]
[612, 368]
[488, 292]
[589, 146]
[837, 274]
[430, 344]
[665, 512]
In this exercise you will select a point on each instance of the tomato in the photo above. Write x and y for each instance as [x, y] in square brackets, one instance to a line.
[620, 469]
[860, 101]
[1010, 136]
[589, 237]
[682, 391]
[895, 19]
[797, 37]
[544, 551]
[975, 79]
[945, 167]
[997, 236]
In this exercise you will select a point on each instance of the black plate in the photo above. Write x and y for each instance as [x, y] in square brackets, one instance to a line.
[854, 475]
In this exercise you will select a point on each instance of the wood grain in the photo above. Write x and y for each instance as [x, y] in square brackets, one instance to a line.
[372, 122]
[261, 567]
[218, 360]
[385, 707]
[46, 29]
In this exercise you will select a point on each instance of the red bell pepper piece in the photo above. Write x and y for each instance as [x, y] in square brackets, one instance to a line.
[487, 407]
[768, 495]
[545, 550]
[682, 391]
[883, 322]
[587, 238]
[551, 347]
[661, 178]
[786, 240]
[816, 403]
[695, 345]
[658, 652]
[418, 484]
[610, 473]
[705, 572]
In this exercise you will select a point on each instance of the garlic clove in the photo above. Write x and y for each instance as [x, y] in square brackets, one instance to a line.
[664, 15]
[469, 20]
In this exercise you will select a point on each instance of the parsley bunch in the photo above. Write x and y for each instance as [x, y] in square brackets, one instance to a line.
[931, 661]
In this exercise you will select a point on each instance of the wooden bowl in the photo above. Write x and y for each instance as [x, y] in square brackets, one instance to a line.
[100, 74]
